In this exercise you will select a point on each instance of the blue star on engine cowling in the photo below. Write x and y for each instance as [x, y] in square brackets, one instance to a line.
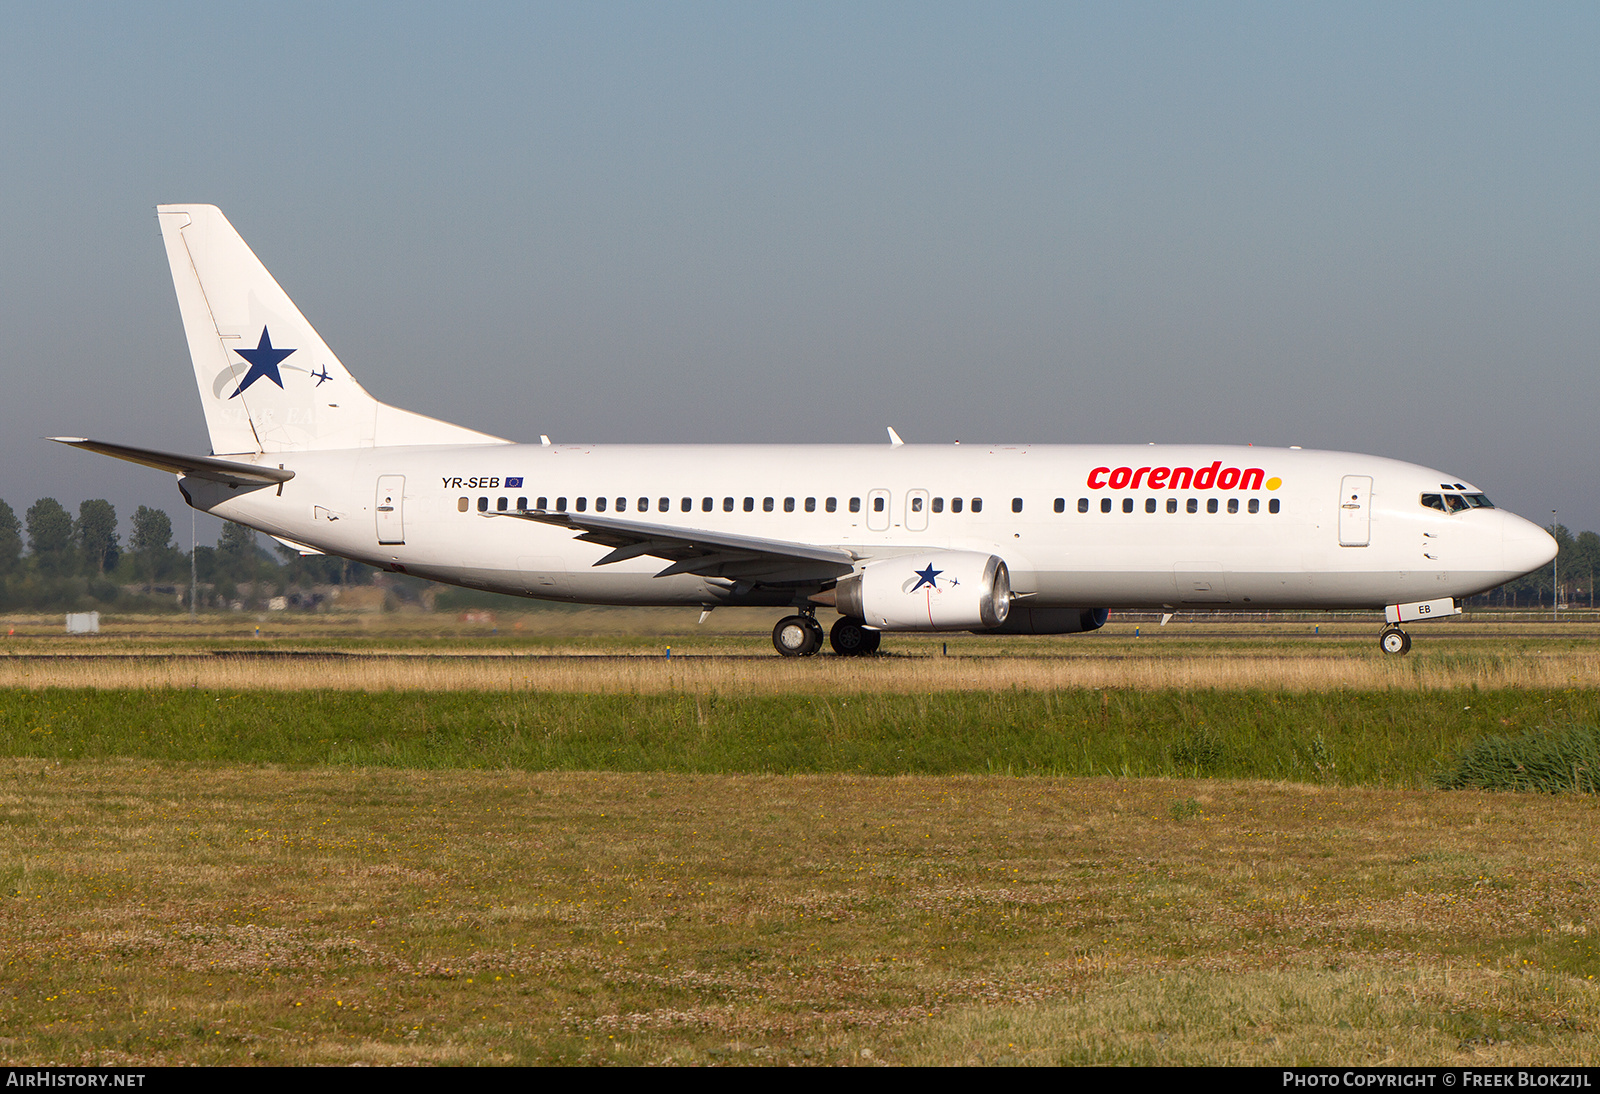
[925, 577]
[264, 361]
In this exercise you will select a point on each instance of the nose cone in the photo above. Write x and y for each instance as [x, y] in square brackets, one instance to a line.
[1525, 546]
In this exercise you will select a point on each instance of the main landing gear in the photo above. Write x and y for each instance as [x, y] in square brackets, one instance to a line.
[801, 636]
[850, 639]
[797, 635]
[1394, 640]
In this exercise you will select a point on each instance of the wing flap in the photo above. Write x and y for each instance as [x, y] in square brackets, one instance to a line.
[699, 551]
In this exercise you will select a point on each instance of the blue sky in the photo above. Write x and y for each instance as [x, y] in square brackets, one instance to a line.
[1363, 227]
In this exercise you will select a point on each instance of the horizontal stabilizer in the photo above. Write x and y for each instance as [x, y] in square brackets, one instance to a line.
[196, 467]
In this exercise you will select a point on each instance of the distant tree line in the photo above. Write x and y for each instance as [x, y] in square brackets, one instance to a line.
[1577, 567]
[50, 560]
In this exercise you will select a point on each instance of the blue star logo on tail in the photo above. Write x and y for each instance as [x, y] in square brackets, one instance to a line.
[264, 361]
[925, 577]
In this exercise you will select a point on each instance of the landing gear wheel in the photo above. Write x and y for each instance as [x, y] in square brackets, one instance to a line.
[1394, 640]
[850, 639]
[797, 636]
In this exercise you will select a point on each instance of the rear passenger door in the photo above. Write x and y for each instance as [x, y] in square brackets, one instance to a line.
[391, 515]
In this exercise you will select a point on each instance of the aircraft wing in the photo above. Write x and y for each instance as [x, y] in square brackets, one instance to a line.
[696, 551]
[199, 467]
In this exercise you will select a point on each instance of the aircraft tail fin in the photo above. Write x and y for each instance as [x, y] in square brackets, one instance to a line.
[268, 381]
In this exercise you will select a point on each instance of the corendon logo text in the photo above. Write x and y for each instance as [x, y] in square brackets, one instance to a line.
[1214, 477]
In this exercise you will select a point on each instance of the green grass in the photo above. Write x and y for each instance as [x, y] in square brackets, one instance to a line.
[1396, 739]
[1553, 761]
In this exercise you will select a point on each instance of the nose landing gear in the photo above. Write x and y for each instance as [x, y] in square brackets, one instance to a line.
[1394, 640]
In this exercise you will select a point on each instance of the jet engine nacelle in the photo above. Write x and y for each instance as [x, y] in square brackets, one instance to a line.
[936, 591]
[1028, 620]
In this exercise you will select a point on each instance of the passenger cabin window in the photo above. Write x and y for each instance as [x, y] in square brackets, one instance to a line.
[1233, 505]
[561, 505]
[463, 504]
[1255, 505]
[938, 505]
[1083, 505]
[788, 505]
[811, 505]
[687, 505]
[955, 505]
[542, 504]
[1149, 505]
[1127, 505]
[1016, 505]
[1211, 505]
[916, 505]
[1061, 505]
[500, 506]
[855, 505]
[977, 505]
[1193, 506]
[706, 505]
[877, 505]
[832, 505]
[483, 505]
[1172, 505]
[581, 504]
[766, 505]
[522, 505]
[727, 505]
[749, 505]
[1105, 505]
[1272, 506]
[599, 504]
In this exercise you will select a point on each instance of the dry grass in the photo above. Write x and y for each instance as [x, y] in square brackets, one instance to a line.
[156, 915]
[1295, 670]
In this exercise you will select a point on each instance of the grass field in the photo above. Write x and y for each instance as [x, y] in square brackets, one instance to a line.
[165, 914]
[1208, 845]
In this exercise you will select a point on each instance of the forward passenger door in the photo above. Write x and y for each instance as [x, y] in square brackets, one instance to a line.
[1355, 511]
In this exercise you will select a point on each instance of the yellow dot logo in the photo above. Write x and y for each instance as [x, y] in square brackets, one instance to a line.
[1274, 482]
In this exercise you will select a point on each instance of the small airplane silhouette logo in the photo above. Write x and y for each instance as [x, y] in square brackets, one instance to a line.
[320, 375]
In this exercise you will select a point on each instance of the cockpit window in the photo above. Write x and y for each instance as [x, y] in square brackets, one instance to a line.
[1456, 503]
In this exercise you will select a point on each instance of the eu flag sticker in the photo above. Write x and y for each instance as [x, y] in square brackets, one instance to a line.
[513, 483]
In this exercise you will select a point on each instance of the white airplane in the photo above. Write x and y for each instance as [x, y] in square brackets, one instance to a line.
[997, 539]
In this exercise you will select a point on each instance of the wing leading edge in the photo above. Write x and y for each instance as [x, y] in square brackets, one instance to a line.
[696, 551]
